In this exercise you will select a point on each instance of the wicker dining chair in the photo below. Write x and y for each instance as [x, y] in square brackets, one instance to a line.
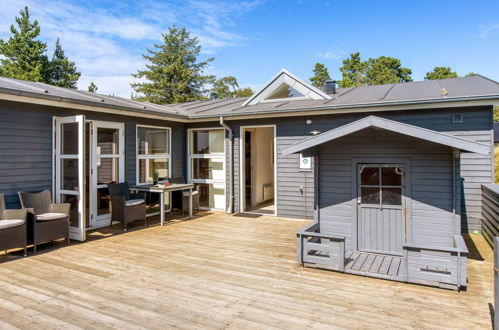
[12, 227]
[126, 207]
[46, 221]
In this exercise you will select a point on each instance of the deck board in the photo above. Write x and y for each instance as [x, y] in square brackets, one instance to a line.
[218, 271]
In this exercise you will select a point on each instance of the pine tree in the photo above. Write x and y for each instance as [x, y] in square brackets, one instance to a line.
[173, 74]
[321, 75]
[244, 92]
[224, 88]
[62, 72]
[92, 88]
[353, 71]
[441, 72]
[23, 57]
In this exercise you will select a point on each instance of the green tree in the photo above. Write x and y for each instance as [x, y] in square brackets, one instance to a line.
[173, 73]
[441, 72]
[244, 92]
[496, 113]
[62, 72]
[386, 70]
[224, 88]
[92, 88]
[23, 57]
[471, 74]
[353, 71]
[321, 75]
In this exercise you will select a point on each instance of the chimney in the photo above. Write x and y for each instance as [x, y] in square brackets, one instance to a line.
[330, 86]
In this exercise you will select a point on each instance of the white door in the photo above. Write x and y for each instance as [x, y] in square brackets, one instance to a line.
[107, 164]
[69, 170]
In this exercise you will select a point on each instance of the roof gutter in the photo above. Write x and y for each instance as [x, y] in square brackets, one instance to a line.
[231, 172]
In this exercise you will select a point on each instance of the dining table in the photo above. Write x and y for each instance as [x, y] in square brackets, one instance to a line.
[162, 189]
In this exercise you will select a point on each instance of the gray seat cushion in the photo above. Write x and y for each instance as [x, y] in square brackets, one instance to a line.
[4, 224]
[133, 202]
[50, 216]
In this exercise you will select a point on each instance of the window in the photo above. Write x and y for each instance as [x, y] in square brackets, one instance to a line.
[153, 154]
[381, 184]
[457, 118]
[283, 92]
[207, 166]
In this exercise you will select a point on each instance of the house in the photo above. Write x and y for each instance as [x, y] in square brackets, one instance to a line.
[390, 174]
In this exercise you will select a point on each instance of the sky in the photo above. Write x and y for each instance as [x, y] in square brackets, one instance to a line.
[252, 40]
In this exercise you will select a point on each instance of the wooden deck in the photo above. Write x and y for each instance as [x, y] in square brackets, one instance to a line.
[219, 271]
[375, 265]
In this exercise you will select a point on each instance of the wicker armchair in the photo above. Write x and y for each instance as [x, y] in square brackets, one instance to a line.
[12, 227]
[126, 207]
[46, 221]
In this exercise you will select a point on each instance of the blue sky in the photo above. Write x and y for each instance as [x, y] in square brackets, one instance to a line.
[254, 39]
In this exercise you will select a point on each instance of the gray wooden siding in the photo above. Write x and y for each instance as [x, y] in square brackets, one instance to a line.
[490, 212]
[476, 169]
[430, 205]
[26, 146]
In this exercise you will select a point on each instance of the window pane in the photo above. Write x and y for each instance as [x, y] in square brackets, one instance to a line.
[391, 176]
[369, 195]
[107, 141]
[369, 175]
[208, 169]
[149, 169]
[152, 141]
[207, 142]
[107, 170]
[103, 201]
[284, 91]
[212, 196]
[73, 209]
[69, 174]
[392, 196]
[69, 139]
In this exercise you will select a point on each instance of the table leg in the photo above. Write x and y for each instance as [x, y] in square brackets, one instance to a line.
[162, 207]
[190, 203]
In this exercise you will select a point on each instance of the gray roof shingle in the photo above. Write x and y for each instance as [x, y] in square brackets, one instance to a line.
[466, 88]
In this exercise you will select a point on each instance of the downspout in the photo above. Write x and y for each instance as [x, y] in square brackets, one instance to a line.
[231, 172]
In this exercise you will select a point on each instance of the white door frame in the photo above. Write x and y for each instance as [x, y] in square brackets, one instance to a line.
[242, 173]
[223, 157]
[97, 221]
[75, 233]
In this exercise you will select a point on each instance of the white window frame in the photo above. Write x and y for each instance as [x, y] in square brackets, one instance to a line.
[139, 157]
[216, 156]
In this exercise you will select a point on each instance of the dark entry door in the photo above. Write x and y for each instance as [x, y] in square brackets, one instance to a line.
[381, 205]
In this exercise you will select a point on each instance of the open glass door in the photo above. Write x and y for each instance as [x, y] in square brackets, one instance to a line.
[69, 167]
[107, 166]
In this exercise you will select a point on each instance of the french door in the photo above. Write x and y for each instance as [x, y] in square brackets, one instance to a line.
[107, 165]
[381, 208]
[69, 170]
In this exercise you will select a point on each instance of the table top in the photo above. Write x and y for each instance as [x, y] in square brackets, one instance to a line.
[160, 187]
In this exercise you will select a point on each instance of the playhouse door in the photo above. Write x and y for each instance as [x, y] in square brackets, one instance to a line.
[380, 208]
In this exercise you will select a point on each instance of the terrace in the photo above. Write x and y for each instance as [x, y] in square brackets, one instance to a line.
[221, 271]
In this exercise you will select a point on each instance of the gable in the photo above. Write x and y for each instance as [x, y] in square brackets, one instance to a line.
[283, 86]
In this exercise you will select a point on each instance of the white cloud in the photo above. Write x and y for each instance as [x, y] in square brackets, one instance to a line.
[107, 44]
[488, 29]
[330, 55]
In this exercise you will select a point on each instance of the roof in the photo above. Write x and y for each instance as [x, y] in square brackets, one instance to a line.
[390, 125]
[45, 91]
[364, 98]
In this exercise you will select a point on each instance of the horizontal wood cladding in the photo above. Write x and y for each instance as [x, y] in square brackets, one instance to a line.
[26, 146]
[490, 212]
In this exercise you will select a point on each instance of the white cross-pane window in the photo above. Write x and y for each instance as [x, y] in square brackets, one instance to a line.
[153, 154]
